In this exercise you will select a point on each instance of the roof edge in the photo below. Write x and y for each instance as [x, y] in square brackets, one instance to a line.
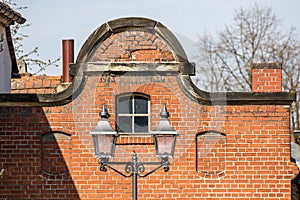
[10, 14]
[233, 98]
[190, 90]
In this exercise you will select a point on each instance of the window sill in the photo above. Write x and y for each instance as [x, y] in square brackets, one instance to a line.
[125, 139]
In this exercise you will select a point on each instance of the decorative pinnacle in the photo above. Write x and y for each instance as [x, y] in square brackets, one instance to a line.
[164, 114]
[104, 113]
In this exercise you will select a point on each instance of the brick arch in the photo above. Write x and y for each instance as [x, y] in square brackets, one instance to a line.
[152, 38]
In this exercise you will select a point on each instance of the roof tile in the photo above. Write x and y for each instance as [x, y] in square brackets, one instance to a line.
[10, 15]
[35, 84]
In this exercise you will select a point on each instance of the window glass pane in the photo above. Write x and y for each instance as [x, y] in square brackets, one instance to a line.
[140, 124]
[105, 143]
[125, 124]
[125, 105]
[165, 144]
[140, 105]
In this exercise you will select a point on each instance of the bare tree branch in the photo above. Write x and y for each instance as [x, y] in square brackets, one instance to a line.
[255, 36]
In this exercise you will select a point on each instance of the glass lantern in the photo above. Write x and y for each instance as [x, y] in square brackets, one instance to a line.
[104, 137]
[164, 136]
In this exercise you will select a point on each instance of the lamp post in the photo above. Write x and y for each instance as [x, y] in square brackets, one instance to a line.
[104, 138]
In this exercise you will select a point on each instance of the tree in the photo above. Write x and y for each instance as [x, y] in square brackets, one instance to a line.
[255, 36]
[31, 57]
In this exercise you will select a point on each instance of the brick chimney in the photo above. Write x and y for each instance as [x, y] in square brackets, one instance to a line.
[67, 58]
[266, 77]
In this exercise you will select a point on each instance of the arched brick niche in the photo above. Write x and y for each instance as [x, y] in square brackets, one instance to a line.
[56, 150]
[211, 154]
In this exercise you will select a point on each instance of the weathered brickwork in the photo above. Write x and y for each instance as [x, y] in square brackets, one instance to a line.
[140, 46]
[47, 151]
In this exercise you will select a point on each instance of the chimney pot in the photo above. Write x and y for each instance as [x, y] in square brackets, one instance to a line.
[67, 59]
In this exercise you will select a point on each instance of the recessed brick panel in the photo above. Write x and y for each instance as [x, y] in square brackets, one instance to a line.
[56, 154]
[211, 155]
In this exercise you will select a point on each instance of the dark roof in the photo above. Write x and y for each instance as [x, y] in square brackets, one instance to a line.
[9, 16]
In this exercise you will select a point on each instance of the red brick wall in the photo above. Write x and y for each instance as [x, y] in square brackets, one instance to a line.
[47, 152]
[256, 161]
[21, 152]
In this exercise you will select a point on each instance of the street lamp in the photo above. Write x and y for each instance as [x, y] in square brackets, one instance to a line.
[104, 138]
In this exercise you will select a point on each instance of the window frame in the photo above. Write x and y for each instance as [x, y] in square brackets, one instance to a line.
[132, 96]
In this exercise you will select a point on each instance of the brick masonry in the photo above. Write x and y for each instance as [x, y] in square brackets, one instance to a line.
[47, 152]
[138, 46]
[266, 77]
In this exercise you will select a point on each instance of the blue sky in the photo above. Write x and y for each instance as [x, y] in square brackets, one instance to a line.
[54, 20]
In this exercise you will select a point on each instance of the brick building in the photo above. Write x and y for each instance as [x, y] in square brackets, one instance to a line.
[230, 145]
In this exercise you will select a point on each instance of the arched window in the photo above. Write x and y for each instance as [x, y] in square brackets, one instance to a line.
[133, 113]
[211, 154]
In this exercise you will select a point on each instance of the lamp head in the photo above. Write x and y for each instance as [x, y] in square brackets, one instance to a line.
[164, 136]
[104, 137]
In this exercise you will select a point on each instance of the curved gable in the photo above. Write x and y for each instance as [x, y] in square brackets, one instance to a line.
[119, 40]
